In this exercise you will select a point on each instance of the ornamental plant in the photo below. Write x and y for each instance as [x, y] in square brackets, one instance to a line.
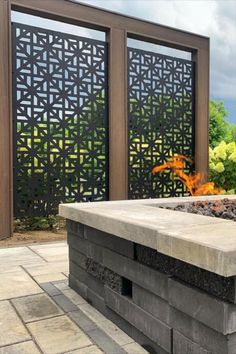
[222, 166]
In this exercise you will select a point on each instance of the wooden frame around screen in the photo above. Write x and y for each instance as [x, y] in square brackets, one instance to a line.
[117, 27]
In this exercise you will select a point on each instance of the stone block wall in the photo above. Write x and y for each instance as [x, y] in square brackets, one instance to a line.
[166, 305]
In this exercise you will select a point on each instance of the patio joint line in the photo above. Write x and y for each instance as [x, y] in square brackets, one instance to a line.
[31, 276]
[19, 342]
[46, 318]
[20, 297]
[39, 255]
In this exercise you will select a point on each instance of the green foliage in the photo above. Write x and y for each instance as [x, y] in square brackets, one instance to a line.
[222, 166]
[218, 127]
[33, 223]
[232, 130]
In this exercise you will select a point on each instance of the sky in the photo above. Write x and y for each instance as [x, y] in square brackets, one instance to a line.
[215, 19]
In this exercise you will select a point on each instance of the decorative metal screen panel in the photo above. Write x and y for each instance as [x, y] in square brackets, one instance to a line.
[161, 120]
[60, 120]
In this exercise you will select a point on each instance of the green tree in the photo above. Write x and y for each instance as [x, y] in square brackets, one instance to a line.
[233, 132]
[218, 127]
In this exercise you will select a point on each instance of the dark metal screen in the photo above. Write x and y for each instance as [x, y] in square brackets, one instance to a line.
[161, 120]
[60, 120]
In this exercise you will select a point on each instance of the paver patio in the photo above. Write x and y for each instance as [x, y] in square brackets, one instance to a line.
[39, 313]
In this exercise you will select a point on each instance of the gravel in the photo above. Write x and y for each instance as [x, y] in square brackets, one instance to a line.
[225, 209]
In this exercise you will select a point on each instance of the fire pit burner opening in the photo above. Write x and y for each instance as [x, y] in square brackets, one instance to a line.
[225, 208]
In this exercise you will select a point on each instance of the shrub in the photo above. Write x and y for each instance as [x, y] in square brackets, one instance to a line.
[222, 166]
[33, 223]
[218, 126]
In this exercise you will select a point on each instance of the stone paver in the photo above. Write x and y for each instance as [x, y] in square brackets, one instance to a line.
[36, 307]
[62, 285]
[65, 303]
[106, 325]
[89, 350]
[50, 289]
[82, 321]
[52, 254]
[105, 342]
[115, 333]
[47, 268]
[45, 278]
[92, 313]
[8, 268]
[19, 256]
[52, 258]
[70, 293]
[21, 348]
[12, 329]
[49, 245]
[134, 348]
[74, 297]
[57, 335]
[17, 284]
[57, 319]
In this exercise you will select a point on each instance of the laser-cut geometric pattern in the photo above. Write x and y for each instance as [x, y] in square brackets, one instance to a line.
[161, 120]
[60, 120]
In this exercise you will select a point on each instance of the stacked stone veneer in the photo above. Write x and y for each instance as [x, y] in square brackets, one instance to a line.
[166, 305]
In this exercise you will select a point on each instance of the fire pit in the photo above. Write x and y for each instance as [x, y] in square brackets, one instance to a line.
[225, 208]
[165, 277]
